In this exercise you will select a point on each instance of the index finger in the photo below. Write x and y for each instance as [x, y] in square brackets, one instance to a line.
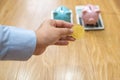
[63, 24]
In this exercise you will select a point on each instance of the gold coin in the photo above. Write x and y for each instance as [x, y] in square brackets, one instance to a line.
[78, 31]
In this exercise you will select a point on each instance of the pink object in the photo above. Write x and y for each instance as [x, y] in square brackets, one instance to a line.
[90, 14]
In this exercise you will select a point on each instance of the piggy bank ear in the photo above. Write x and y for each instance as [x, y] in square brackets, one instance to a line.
[55, 13]
[97, 11]
[68, 13]
[84, 11]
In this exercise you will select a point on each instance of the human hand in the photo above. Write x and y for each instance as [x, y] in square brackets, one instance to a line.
[53, 32]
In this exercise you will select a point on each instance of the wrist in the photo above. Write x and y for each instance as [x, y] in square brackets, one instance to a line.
[40, 47]
[39, 50]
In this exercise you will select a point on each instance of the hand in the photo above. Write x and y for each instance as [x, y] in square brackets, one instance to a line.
[53, 32]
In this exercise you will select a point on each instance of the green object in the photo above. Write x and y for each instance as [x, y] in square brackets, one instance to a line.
[62, 13]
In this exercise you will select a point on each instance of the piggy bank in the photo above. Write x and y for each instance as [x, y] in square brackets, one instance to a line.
[62, 13]
[90, 14]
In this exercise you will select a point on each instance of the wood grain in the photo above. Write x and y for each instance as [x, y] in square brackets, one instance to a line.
[94, 57]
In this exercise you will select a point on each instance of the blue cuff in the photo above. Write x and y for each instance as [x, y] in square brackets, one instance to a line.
[16, 43]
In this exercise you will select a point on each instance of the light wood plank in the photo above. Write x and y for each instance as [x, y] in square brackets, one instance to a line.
[94, 57]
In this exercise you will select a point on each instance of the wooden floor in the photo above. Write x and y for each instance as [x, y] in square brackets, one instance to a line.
[94, 57]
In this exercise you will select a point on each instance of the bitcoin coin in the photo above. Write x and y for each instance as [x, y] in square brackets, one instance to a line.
[78, 31]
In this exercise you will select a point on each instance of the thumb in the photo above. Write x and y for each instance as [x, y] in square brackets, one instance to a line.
[65, 31]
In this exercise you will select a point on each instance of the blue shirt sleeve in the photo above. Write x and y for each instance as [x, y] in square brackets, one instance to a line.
[16, 43]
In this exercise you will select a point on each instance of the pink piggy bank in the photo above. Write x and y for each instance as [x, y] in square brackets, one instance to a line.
[90, 14]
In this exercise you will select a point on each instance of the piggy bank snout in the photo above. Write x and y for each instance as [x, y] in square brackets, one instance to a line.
[91, 20]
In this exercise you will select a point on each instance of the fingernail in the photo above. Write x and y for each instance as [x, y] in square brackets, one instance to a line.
[72, 39]
[71, 25]
[71, 30]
